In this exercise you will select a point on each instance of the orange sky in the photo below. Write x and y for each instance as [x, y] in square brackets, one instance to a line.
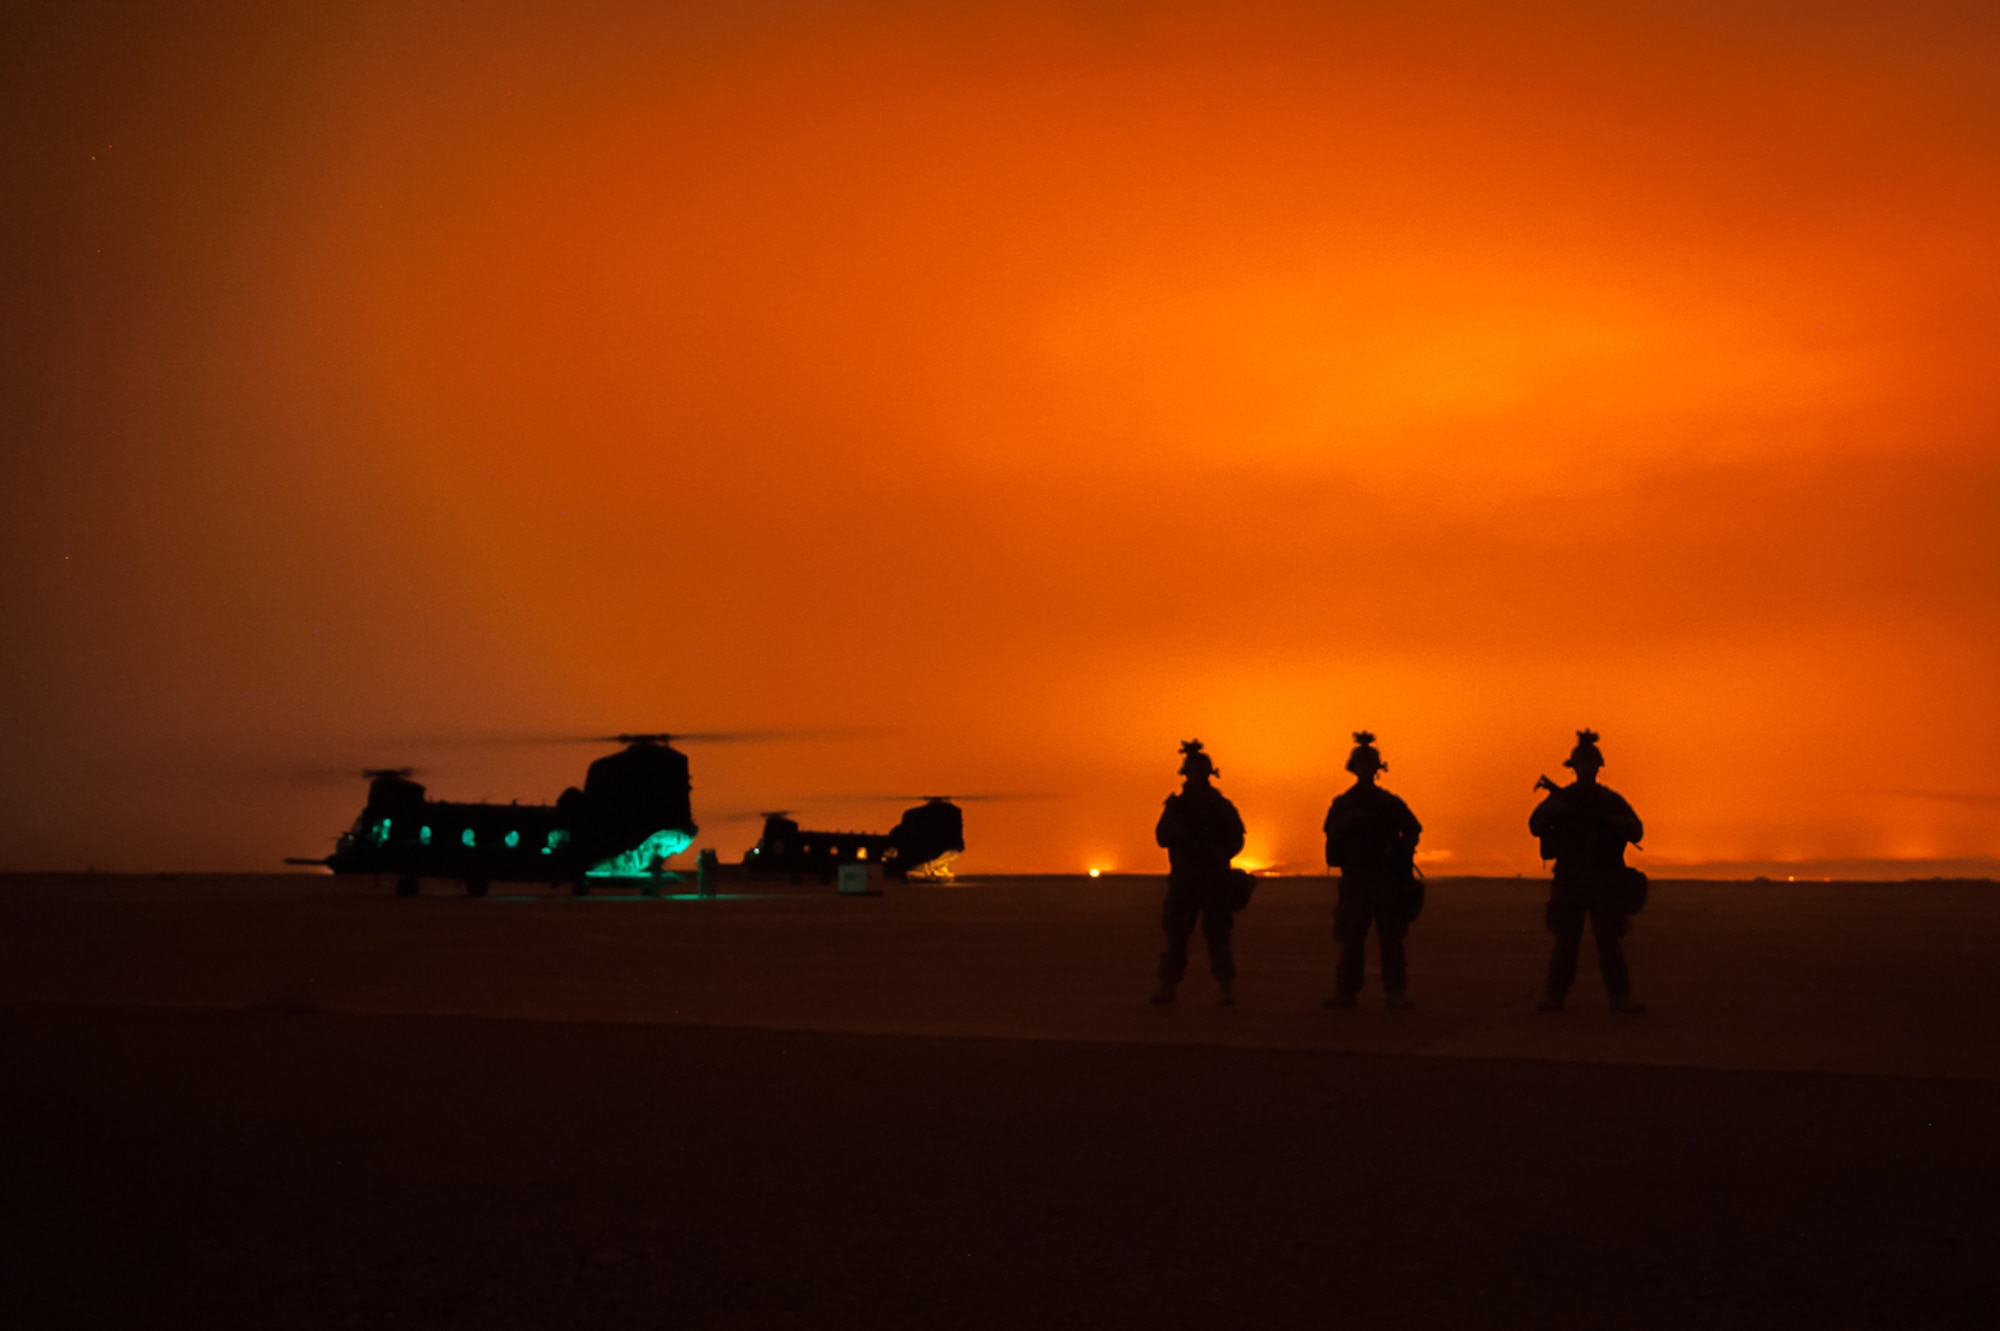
[1029, 391]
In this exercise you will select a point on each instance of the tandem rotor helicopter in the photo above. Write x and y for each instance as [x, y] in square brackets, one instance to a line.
[633, 814]
[922, 845]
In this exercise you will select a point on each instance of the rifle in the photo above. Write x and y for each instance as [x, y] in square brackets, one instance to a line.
[1548, 836]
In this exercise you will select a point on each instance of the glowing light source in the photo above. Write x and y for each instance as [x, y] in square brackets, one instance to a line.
[934, 871]
[1095, 872]
[648, 859]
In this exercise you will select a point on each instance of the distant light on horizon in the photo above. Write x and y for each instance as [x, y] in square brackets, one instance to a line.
[1095, 872]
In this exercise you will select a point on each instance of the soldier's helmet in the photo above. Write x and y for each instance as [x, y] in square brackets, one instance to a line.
[1194, 762]
[1365, 758]
[1586, 753]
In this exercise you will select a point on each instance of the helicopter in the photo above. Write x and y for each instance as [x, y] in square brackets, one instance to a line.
[632, 815]
[922, 845]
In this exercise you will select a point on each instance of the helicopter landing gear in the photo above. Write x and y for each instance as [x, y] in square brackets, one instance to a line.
[406, 886]
[475, 887]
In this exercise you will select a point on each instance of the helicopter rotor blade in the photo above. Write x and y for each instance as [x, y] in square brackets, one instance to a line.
[704, 737]
[976, 797]
[784, 735]
[742, 816]
[328, 774]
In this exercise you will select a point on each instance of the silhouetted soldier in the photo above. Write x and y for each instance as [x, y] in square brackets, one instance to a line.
[1584, 827]
[1202, 833]
[1371, 837]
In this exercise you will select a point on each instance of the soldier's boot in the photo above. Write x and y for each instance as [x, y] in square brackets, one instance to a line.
[1628, 1005]
[1401, 1002]
[1227, 998]
[1338, 1001]
[1164, 994]
[1550, 1003]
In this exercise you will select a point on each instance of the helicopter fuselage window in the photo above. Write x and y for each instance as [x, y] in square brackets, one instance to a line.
[423, 836]
[467, 838]
[513, 839]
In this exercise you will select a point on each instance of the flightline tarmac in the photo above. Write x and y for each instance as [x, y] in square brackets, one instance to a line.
[296, 1101]
[1863, 978]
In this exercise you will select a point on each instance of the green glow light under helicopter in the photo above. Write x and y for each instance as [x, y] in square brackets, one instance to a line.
[638, 862]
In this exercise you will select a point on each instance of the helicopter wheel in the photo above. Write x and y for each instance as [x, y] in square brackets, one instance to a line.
[406, 887]
[475, 887]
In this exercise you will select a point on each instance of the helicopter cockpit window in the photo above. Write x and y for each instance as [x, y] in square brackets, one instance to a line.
[382, 832]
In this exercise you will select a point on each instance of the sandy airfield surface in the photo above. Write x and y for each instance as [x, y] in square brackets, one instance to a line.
[296, 1101]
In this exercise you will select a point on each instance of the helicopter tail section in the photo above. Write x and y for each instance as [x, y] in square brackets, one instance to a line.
[926, 841]
[648, 859]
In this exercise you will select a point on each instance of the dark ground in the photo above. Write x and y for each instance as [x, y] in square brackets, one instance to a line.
[188, 1169]
[212, 1165]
